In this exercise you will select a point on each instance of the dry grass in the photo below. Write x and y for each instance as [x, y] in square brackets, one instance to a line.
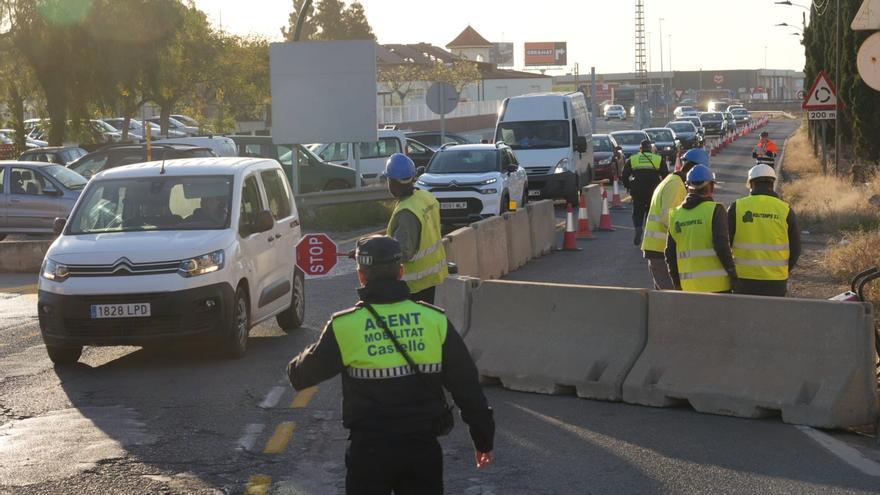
[799, 159]
[858, 251]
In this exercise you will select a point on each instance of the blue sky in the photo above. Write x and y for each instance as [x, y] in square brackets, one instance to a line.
[708, 34]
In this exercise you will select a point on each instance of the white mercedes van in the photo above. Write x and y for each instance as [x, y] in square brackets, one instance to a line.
[550, 135]
[186, 249]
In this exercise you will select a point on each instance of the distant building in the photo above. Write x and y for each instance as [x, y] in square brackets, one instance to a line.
[470, 45]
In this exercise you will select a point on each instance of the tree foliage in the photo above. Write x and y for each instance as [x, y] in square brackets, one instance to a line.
[330, 20]
[403, 79]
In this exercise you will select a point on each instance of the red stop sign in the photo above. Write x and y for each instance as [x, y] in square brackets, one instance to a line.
[316, 255]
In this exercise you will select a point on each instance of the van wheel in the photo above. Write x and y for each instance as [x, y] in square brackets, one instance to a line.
[64, 355]
[336, 184]
[294, 316]
[235, 342]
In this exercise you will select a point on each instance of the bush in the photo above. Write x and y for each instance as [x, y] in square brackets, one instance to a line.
[858, 251]
[833, 204]
[350, 216]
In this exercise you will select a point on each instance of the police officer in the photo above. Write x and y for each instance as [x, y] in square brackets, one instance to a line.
[393, 409]
[667, 196]
[765, 237]
[641, 175]
[698, 247]
[415, 223]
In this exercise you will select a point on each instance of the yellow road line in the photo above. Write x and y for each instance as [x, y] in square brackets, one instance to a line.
[23, 289]
[303, 398]
[279, 440]
[258, 485]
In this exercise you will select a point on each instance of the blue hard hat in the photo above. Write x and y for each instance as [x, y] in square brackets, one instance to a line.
[700, 174]
[400, 167]
[698, 156]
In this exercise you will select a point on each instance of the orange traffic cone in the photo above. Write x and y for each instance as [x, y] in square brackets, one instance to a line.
[602, 191]
[569, 243]
[584, 231]
[605, 219]
[615, 196]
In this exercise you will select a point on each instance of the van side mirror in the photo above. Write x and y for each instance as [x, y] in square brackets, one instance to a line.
[580, 144]
[265, 222]
[58, 225]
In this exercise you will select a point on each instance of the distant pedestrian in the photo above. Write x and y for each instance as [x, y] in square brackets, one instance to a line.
[766, 150]
[667, 196]
[641, 175]
[698, 247]
[765, 237]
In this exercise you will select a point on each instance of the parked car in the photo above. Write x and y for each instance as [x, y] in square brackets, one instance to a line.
[687, 134]
[220, 145]
[685, 111]
[666, 144]
[615, 112]
[474, 181]
[374, 154]
[62, 155]
[713, 123]
[30, 142]
[174, 250]
[550, 135]
[431, 139]
[731, 121]
[741, 115]
[89, 136]
[176, 125]
[137, 130]
[313, 173]
[7, 148]
[630, 142]
[33, 195]
[191, 122]
[126, 154]
[608, 160]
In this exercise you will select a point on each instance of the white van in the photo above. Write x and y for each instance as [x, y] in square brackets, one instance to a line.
[550, 135]
[192, 248]
[221, 145]
[374, 154]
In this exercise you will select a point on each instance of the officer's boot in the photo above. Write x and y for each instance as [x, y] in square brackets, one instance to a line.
[638, 238]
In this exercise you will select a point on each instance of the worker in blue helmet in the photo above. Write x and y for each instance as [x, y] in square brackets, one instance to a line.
[668, 195]
[698, 251]
[415, 223]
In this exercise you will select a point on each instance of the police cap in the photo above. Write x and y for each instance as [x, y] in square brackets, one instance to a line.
[377, 250]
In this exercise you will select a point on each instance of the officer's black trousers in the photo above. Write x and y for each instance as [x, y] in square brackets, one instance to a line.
[411, 465]
[641, 204]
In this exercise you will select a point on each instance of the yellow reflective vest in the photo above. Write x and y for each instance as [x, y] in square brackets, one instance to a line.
[368, 353]
[699, 267]
[645, 161]
[427, 268]
[760, 243]
[669, 194]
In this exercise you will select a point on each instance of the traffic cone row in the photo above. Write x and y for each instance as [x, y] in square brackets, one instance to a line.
[605, 219]
[615, 197]
[584, 231]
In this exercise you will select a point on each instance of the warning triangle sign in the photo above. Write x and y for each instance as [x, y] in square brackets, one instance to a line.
[823, 95]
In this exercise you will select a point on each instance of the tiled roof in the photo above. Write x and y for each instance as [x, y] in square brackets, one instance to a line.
[469, 38]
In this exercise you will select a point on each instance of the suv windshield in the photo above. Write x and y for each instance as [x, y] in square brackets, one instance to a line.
[602, 143]
[67, 177]
[629, 138]
[682, 127]
[464, 162]
[661, 135]
[154, 203]
[535, 135]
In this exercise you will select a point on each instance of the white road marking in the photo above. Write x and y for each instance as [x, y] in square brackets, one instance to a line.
[843, 451]
[272, 397]
[249, 439]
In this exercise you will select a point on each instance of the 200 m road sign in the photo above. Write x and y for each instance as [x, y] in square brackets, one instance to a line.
[822, 115]
[316, 255]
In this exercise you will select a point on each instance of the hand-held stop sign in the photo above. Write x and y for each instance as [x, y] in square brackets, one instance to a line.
[316, 255]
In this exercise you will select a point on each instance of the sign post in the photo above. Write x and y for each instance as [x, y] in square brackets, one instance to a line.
[442, 98]
[316, 255]
[821, 105]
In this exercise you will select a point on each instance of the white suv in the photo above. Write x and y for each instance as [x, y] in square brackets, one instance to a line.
[474, 181]
[615, 112]
[185, 249]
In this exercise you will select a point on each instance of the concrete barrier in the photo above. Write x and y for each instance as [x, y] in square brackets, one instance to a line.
[454, 296]
[22, 256]
[461, 249]
[542, 224]
[552, 338]
[491, 247]
[810, 361]
[594, 204]
[519, 238]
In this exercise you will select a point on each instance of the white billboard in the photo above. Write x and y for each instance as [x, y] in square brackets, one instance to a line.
[323, 91]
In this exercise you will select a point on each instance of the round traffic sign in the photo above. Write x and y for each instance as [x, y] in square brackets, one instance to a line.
[441, 98]
[316, 255]
[868, 61]
[800, 94]
[718, 79]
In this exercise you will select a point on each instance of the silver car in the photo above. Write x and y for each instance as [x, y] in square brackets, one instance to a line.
[34, 194]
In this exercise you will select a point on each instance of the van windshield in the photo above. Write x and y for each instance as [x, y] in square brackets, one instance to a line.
[154, 203]
[534, 135]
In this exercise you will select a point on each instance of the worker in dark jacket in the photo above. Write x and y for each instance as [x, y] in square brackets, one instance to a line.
[765, 237]
[641, 175]
[394, 369]
[698, 248]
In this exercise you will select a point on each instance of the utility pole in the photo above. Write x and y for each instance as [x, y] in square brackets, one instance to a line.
[837, 141]
[662, 77]
[641, 69]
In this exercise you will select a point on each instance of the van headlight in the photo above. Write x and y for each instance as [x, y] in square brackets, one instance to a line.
[561, 166]
[54, 271]
[200, 265]
[606, 161]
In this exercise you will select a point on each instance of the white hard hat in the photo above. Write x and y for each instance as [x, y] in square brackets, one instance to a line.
[762, 171]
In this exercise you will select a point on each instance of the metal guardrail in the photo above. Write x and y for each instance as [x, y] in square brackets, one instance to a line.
[344, 196]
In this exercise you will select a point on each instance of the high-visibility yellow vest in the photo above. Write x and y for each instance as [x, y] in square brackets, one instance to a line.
[669, 194]
[427, 268]
[368, 353]
[645, 161]
[760, 244]
[699, 268]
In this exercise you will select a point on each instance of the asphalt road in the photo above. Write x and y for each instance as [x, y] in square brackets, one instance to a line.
[180, 420]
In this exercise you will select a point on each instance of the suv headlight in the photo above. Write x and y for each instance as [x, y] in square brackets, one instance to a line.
[489, 190]
[561, 166]
[200, 265]
[54, 271]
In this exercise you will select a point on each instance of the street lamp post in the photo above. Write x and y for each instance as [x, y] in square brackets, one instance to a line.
[662, 78]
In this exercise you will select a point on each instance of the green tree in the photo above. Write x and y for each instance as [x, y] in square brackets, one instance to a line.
[330, 20]
[356, 24]
[241, 85]
[308, 29]
[402, 79]
[17, 87]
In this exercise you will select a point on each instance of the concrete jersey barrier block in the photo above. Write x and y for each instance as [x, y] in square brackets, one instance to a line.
[551, 338]
[454, 296]
[461, 249]
[491, 248]
[542, 223]
[519, 238]
[810, 360]
[594, 204]
[22, 256]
